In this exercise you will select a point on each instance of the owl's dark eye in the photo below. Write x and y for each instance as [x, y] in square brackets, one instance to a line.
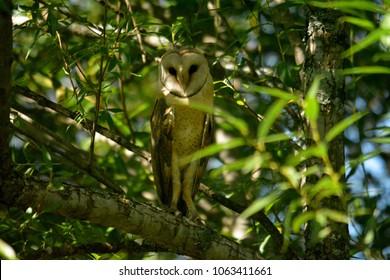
[193, 69]
[172, 71]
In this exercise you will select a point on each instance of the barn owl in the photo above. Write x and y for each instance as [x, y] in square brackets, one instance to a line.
[179, 128]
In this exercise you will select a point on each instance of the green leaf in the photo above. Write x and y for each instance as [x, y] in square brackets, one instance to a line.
[370, 39]
[337, 216]
[136, 110]
[48, 161]
[310, 104]
[52, 22]
[270, 117]
[366, 70]
[292, 175]
[322, 216]
[113, 61]
[325, 187]
[278, 137]
[214, 149]
[361, 22]
[379, 140]
[6, 251]
[275, 92]
[319, 151]
[115, 110]
[261, 203]
[288, 74]
[235, 122]
[106, 117]
[341, 126]
[348, 5]
[302, 219]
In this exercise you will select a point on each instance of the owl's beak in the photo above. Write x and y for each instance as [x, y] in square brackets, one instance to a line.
[182, 78]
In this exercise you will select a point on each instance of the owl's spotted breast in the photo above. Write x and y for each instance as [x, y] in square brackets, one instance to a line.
[187, 131]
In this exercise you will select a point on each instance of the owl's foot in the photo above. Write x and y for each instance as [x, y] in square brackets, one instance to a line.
[197, 220]
[173, 210]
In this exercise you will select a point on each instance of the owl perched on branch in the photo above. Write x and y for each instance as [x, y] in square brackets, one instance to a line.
[180, 127]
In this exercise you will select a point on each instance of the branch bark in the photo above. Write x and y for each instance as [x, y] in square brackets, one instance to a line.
[177, 234]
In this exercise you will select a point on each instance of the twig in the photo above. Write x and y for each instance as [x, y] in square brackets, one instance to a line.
[41, 100]
[69, 154]
[121, 82]
[259, 216]
[136, 29]
[102, 71]
[73, 250]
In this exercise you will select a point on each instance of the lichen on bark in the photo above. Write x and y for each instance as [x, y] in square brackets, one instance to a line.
[326, 39]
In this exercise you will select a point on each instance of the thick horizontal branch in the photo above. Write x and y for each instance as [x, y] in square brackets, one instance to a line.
[177, 234]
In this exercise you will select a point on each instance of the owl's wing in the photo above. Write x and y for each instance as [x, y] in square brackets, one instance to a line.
[161, 148]
[162, 122]
[207, 139]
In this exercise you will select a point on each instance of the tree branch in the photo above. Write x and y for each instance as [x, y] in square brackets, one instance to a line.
[177, 234]
[69, 250]
[41, 100]
[66, 151]
[259, 216]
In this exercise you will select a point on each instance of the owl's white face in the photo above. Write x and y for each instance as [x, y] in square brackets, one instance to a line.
[183, 73]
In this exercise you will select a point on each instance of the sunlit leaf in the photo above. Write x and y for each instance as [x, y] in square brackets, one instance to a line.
[106, 117]
[301, 220]
[379, 140]
[214, 149]
[310, 104]
[361, 22]
[270, 116]
[48, 161]
[276, 138]
[236, 122]
[319, 151]
[325, 187]
[370, 39]
[344, 124]
[366, 70]
[337, 216]
[346, 5]
[6, 251]
[261, 203]
[292, 175]
[275, 92]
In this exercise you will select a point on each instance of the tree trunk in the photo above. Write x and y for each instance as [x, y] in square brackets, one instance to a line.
[326, 39]
[5, 85]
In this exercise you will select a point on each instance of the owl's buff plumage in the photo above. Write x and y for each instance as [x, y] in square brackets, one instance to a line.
[180, 128]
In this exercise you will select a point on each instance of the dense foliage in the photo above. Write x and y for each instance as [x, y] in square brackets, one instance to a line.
[97, 60]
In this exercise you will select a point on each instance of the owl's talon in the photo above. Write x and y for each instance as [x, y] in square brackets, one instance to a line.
[178, 213]
[174, 211]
